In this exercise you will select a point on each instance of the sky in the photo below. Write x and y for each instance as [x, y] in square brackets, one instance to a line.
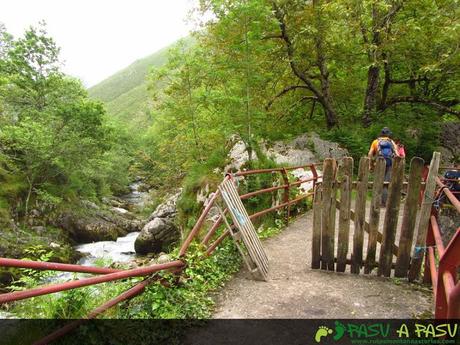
[100, 37]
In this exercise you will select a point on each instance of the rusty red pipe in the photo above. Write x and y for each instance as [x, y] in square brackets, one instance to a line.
[134, 291]
[433, 271]
[217, 242]
[304, 181]
[261, 171]
[213, 246]
[454, 201]
[261, 191]
[54, 266]
[198, 224]
[454, 303]
[44, 290]
[213, 229]
[437, 236]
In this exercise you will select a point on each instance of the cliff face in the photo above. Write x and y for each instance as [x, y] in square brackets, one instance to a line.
[450, 142]
[304, 149]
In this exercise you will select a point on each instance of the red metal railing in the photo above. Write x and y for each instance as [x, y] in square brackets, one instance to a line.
[110, 274]
[444, 278]
[286, 204]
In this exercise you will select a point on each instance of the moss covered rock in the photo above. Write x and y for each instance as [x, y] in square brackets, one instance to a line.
[157, 236]
[93, 223]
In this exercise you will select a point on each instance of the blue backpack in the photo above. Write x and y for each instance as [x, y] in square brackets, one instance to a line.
[386, 150]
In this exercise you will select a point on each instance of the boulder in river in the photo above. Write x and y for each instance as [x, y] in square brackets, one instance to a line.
[161, 231]
[157, 236]
[94, 223]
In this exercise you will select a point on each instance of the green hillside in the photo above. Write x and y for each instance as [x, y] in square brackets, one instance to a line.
[125, 92]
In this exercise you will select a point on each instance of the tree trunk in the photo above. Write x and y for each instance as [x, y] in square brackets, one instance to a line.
[370, 99]
[29, 193]
[326, 97]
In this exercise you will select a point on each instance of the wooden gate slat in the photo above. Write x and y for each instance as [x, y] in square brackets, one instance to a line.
[344, 215]
[374, 214]
[366, 228]
[316, 240]
[250, 230]
[360, 212]
[391, 217]
[252, 241]
[327, 233]
[425, 213]
[409, 217]
[241, 220]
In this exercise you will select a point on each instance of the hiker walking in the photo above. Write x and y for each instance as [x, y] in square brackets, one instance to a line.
[384, 147]
[400, 148]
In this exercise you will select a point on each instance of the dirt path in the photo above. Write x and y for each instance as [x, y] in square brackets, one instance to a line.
[294, 290]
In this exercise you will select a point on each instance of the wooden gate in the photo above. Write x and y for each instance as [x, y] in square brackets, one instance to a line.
[376, 240]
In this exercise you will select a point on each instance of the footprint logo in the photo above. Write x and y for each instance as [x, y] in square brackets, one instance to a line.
[339, 330]
[322, 331]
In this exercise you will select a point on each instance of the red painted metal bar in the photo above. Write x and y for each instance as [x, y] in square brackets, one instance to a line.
[315, 175]
[218, 222]
[257, 171]
[134, 291]
[454, 303]
[213, 229]
[261, 213]
[44, 290]
[213, 246]
[445, 287]
[296, 183]
[455, 202]
[437, 236]
[260, 171]
[433, 271]
[261, 191]
[198, 224]
[219, 240]
[54, 266]
[447, 296]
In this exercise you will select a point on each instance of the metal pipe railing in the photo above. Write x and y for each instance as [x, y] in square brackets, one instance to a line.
[219, 240]
[444, 189]
[132, 292]
[286, 186]
[198, 224]
[110, 274]
[54, 266]
[446, 288]
[44, 290]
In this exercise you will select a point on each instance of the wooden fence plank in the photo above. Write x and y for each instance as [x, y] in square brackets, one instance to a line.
[391, 217]
[366, 228]
[374, 214]
[316, 240]
[327, 233]
[360, 212]
[345, 214]
[409, 217]
[425, 212]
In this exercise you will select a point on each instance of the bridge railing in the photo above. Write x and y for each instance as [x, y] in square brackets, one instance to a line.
[444, 276]
[150, 272]
[287, 202]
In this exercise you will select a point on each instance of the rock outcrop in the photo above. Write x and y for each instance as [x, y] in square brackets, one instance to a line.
[304, 149]
[161, 231]
[92, 223]
[450, 142]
